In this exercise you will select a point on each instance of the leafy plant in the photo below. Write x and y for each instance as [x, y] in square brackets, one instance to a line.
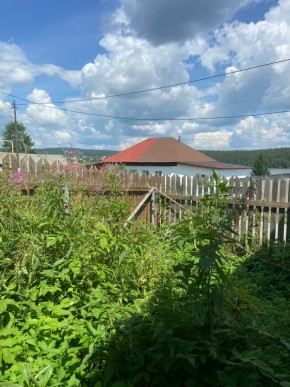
[87, 302]
[207, 232]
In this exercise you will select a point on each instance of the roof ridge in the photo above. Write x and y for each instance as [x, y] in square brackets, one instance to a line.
[159, 149]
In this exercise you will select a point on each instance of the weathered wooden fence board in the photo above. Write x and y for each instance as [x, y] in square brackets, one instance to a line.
[264, 203]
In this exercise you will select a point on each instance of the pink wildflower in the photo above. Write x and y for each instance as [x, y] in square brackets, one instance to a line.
[18, 178]
[70, 152]
[97, 188]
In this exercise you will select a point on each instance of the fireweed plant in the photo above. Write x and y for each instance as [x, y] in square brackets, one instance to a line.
[85, 301]
[207, 232]
[201, 325]
[18, 178]
[111, 176]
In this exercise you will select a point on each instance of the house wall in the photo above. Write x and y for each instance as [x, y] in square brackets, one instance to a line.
[279, 171]
[188, 170]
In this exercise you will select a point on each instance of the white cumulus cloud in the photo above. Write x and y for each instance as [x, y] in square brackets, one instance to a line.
[219, 139]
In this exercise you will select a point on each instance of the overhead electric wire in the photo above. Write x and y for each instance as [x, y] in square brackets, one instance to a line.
[104, 116]
[5, 108]
[148, 119]
[166, 118]
[161, 118]
[157, 88]
[22, 99]
[177, 111]
[32, 119]
[175, 84]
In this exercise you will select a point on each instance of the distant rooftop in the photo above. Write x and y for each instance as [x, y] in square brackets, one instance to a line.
[167, 150]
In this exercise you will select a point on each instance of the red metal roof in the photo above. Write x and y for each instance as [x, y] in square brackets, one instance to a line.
[159, 150]
[167, 150]
[132, 154]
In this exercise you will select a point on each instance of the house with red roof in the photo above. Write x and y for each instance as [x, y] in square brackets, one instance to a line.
[167, 156]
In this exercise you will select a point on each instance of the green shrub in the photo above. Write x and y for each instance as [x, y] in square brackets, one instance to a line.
[87, 302]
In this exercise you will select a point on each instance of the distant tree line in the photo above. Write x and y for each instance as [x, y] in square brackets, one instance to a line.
[83, 155]
[275, 158]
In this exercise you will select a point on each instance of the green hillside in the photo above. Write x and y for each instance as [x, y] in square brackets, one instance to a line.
[277, 158]
[84, 155]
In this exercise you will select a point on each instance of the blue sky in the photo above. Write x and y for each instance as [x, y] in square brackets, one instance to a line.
[65, 32]
[72, 50]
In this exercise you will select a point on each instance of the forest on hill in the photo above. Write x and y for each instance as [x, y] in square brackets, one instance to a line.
[84, 155]
[276, 158]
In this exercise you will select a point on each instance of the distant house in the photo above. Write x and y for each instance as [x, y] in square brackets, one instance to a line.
[167, 156]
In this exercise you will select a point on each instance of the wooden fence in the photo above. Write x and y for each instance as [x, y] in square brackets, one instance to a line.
[35, 164]
[262, 204]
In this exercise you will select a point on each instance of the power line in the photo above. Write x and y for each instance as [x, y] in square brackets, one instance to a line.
[166, 118]
[5, 111]
[177, 111]
[156, 88]
[46, 105]
[22, 99]
[32, 119]
[159, 118]
[162, 118]
[5, 108]
[175, 84]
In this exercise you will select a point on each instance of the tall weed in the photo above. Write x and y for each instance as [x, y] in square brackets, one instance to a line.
[86, 302]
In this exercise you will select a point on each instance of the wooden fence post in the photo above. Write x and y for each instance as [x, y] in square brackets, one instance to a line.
[153, 202]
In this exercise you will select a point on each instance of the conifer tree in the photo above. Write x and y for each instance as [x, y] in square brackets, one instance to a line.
[260, 167]
[25, 143]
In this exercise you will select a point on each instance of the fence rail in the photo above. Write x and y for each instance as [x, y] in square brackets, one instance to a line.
[263, 203]
[259, 221]
[261, 206]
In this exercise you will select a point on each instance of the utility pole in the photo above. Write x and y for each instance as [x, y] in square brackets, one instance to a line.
[16, 136]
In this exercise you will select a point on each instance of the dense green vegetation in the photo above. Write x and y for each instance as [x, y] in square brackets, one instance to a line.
[85, 301]
[276, 158]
